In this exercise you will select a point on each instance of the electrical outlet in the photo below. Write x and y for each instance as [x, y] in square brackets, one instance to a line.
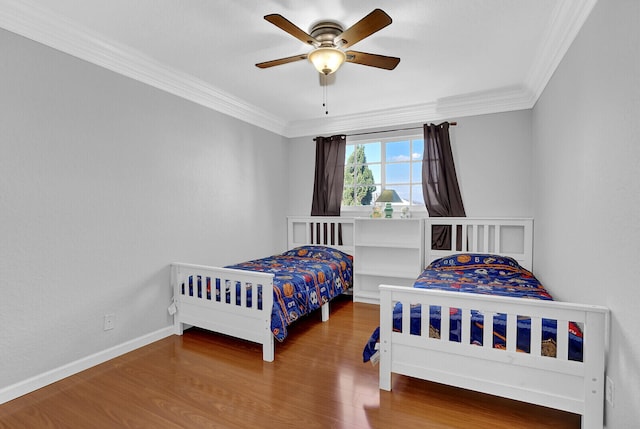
[109, 321]
[609, 391]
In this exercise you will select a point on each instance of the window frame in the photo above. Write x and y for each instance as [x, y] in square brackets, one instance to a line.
[389, 138]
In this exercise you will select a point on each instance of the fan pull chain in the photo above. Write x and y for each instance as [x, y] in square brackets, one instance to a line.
[325, 92]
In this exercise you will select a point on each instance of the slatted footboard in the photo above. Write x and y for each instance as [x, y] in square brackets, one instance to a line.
[225, 301]
[555, 382]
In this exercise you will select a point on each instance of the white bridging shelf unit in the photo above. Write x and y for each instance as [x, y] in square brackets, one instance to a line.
[387, 251]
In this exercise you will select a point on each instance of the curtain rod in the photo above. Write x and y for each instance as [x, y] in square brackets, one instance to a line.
[453, 124]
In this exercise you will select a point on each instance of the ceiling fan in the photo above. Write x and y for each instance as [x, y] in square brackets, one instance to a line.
[330, 40]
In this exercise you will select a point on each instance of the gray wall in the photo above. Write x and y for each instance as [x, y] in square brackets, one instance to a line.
[587, 186]
[104, 182]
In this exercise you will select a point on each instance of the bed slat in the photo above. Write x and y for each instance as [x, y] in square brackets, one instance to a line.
[445, 319]
[512, 333]
[465, 338]
[562, 339]
[487, 330]
[425, 312]
[536, 336]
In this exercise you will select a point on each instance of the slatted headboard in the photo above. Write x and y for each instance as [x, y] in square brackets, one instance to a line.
[503, 236]
[331, 231]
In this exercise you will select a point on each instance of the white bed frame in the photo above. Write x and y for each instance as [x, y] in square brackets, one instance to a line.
[559, 383]
[242, 321]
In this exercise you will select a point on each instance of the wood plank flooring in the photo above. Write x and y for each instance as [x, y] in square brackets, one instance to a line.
[318, 380]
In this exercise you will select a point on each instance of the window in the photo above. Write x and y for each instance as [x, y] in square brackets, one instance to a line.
[394, 163]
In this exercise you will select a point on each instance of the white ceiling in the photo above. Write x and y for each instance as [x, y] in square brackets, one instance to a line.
[458, 57]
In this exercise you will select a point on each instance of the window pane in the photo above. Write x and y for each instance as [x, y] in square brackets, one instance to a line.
[416, 172]
[364, 195]
[376, 194]
[417, 150]
[397, 151]
[397, 173]
[348, 197]
[403, 192]
[363, 174]
[372, 152]
[349, 177]
[417, 196]
[376, 169]
[348, 151]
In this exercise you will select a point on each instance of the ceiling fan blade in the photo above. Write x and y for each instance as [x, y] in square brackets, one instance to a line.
[368, 25]
[372, 60]
[288, 26]
[281, 61]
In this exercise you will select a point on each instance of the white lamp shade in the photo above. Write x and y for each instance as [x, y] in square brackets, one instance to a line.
[327, 60]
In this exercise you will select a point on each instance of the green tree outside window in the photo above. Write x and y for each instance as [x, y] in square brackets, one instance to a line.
[358, 180]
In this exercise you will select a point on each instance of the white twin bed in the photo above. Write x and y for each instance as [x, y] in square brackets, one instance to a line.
[552, 381]
[238, 315]
[555, 382]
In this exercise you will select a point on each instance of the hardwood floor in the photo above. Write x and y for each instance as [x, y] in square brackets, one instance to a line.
[318, 380]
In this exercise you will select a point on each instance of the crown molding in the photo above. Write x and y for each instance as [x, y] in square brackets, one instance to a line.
[35, 23]
[566, 22]
[27, 19]
[450, 108]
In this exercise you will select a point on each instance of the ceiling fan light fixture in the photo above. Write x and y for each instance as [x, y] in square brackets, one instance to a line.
[327, 59]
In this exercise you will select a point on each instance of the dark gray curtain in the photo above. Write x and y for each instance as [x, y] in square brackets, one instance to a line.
[440, 183]
[329, 176]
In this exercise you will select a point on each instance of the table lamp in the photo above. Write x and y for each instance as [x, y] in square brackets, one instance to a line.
[388, 196]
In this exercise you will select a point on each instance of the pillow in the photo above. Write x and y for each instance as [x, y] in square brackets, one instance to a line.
[466, 259]
[317, 252]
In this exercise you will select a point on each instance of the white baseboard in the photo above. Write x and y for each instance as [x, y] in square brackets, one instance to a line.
[34, 383]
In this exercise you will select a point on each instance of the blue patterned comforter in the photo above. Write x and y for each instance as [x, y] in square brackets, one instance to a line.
[483, 274]
[304, 278]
